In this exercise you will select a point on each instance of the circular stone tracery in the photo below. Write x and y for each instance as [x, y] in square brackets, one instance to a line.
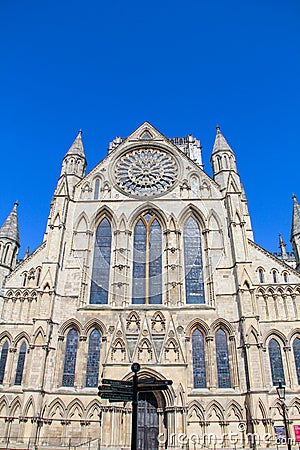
[146, 172]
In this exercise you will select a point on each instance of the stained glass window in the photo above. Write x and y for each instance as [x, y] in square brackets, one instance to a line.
[147, 261]
[276, 362]
[296, 349]
[92, 370]
[3, 359]
[70, 358]
[194, 285]
[198, 359]
[101, 264]
[222, 359]
[20, 364]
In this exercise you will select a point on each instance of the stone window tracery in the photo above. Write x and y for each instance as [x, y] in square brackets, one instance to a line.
[147, 261]
[146, 172]
[101, 264]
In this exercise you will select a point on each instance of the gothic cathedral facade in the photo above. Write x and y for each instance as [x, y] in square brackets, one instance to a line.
[148, 259]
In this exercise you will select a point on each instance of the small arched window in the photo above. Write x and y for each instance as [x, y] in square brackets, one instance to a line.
[222, 359]
[92, 369]
[147, 261]
[276, 362]
[20, 364]
[101, 264]
[274, 274]
[25, 279]
[70, 358]
[6, 254]
[199, 370]
[296, 349]
[193, 266]
[3, 359]
[261, 275]
[285, 277]
[38, 276]
[96, 190]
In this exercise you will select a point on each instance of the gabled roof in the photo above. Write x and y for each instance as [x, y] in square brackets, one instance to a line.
[10, 228]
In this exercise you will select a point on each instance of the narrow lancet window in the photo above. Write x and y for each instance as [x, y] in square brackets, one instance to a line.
[296, 349]
[3, 359]
[70, 358]
[20, 364]
[199, 371]
[101, 264]
[92, 370]
[222, 359]
[276, 362]
[194, 285]
[147, 261]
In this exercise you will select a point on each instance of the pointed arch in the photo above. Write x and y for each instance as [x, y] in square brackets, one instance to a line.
[222, 355]
[74, 405]
[29, 404]
[152, 209]
[39, 336]
[15, 406]
[21, 363]
[216, 407]
[222, 323]
[236, 407]
[4, 406]
[192, 210]
[93, 407]
[70, 323]
[57, 406]
[133, 322]
[95, 323]
[81, 224]
[197, 323]
[195, 409]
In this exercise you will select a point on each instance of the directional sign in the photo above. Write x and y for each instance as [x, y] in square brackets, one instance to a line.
[117, 397]
[117, 382]
[147, 380]
[107, 387]
[152, 387]
[154, 381]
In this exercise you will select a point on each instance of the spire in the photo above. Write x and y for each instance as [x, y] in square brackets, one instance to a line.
[220, 142]
[27, 253]
[282, 246]
[10, 228]
[77, 146]
[296, 218]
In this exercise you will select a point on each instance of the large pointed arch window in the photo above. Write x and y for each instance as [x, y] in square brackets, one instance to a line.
[199, 371]
[70, 358]
[3, 359]
[92, 369]
[296, 349]
[193, 266]
[20, 364]
[147, 261]
[101, 264]
[276, 362]
[222, 359]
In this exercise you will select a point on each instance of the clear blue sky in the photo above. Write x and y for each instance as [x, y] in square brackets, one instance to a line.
[186, 66]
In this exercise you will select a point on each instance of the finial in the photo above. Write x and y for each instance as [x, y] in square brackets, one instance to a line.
[218, 128]
[80, 132]
[294, 197]
[16, 204]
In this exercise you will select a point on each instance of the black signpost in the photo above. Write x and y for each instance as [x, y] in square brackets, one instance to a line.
[128, 391]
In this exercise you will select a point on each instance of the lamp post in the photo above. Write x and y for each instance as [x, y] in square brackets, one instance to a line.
[281, 395]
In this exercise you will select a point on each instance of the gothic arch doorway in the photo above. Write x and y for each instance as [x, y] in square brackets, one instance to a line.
[148, 425]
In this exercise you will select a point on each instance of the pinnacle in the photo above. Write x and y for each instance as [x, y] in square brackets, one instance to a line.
[77, 146]
[10, 228]
[296, 217]
[220, 142]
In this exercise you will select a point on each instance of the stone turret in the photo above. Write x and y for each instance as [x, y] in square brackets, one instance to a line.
[222, 160]
[74, 162]
[9, 244]
[295, 232]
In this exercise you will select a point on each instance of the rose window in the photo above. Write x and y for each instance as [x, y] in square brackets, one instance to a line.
[146, 172]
